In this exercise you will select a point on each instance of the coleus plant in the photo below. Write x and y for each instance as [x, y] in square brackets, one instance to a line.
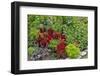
[54, 40]
[53, 43]
[42, 40]
[50, 32]
[60, 49]
[56, 35]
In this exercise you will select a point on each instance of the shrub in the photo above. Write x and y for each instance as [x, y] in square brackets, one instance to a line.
[72, 51]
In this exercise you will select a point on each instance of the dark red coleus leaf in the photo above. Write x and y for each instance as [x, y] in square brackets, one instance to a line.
[50, 32]
[44, 42]
[56, 35]
[63, 36]
[42, 39]
[60, 47]
[49, 38]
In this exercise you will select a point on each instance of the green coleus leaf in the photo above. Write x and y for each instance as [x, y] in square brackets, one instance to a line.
[53, 43]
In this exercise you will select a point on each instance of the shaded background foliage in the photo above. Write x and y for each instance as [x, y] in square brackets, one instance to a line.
[74, 27]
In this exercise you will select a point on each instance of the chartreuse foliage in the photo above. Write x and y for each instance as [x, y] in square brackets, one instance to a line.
[72, 51]
[31, 50]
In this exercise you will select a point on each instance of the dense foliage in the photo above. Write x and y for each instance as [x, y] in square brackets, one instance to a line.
[73, 29]
[72, 51]
[53, 43]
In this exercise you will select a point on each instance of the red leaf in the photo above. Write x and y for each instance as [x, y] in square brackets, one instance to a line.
[60, 47]
[50, 32]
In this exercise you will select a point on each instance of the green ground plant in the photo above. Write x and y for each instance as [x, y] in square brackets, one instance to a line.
[72, 51]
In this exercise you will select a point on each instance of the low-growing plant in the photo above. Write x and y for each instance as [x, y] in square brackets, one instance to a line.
[72, 51]
[77, 30]
[53, 43]
[32, 36]
[31, 50]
